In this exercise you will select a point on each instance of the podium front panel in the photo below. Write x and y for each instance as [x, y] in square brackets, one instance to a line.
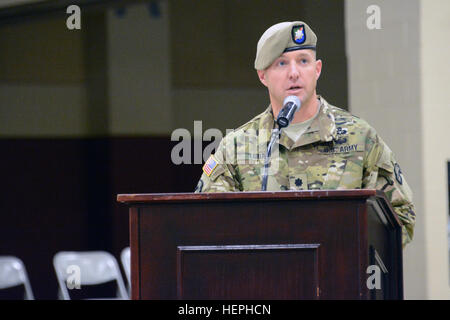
[167, 227]
[248, 272]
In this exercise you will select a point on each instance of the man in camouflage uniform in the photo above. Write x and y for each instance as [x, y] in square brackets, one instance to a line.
[324, 147]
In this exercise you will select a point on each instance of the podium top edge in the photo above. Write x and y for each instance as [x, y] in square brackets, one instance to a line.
[240, 196]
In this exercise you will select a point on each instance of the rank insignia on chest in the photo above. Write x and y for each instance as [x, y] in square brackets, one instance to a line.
[210, 165]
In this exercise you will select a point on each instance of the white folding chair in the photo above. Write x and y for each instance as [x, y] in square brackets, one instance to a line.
[13, 273]
[87, 268]
[126, 260]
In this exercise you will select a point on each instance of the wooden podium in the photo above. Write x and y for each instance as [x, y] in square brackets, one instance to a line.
[265, 245]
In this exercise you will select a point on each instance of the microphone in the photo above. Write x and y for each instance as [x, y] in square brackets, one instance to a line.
[291, 105]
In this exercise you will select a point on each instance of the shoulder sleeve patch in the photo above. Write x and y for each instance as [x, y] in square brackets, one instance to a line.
[210, 165]
[398, 173]
[213, 168]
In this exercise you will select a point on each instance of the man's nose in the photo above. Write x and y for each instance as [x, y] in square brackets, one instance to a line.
[293, 71]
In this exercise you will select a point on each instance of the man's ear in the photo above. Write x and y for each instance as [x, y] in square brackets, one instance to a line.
[318, 68]
[262, 76]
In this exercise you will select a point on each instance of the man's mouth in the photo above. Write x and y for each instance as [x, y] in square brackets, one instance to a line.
[294, 88]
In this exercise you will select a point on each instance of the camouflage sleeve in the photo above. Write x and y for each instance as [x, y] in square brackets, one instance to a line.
[382, 172]
[221, 175]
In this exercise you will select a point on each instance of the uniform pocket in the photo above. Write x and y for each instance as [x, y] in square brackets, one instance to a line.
[336, 168]
[345, 171]
[352, 177]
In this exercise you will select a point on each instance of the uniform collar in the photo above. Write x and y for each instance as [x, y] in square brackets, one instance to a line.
[323, 128]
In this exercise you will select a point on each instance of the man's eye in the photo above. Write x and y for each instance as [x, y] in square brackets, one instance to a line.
[281, 63]
[304, 61]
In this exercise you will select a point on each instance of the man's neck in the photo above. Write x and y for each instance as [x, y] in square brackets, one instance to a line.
[307, 111]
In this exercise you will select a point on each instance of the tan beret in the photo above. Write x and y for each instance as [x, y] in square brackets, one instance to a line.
[283, 37]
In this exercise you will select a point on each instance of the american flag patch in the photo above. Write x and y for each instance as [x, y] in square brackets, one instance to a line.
[210, 165]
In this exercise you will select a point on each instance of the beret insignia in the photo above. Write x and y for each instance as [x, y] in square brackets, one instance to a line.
[298, 34]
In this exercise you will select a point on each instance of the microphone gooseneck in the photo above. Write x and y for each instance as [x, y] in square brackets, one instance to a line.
[275, 136]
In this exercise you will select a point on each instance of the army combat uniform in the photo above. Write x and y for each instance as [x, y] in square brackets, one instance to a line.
[337, 151]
